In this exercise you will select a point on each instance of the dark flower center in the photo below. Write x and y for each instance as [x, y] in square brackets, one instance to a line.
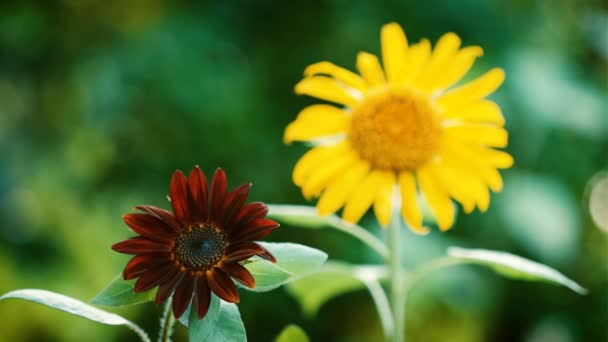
[200, 247]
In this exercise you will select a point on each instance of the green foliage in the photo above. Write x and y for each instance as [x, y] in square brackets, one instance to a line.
[102, 101]
[298, 215]
[292, 333]
[333, 279]
[307, 217]
[73, 306]
[120, 292]
[515, 267]
[222, 323]
[293, 261]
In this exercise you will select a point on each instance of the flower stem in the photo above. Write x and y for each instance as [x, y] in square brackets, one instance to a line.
[382, 305]
[397, 286]
[166, 324]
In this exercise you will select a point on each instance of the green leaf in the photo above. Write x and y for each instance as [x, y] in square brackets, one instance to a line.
[120, 292]
[333, 279]
[307, 217]
[222, 323]
[295, 258]
[292, 333]
[293, 261]
[297, 215]
[515, 267]
[74, 307]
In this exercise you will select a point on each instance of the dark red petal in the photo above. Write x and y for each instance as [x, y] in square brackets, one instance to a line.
[166, 289]
[248, 213]
[217, 194]
[139, 263]
[154, 276]
[198, 189]
[267, 255]
[162, 214]
[140, 245]
[222, 285]
[240, 273]
[257, 229]
[149, 226]
[242, 251]
[202, 297]
[183, 295]
[234, 202]
[179, 195]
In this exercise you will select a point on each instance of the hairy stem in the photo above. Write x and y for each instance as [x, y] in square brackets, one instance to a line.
[166, 324]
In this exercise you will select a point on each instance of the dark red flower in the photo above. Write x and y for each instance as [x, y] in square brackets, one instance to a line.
[198, 248]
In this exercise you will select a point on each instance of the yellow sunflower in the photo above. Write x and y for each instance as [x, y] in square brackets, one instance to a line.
[404, 125]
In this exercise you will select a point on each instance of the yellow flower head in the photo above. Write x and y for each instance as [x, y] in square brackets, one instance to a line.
[405, 125]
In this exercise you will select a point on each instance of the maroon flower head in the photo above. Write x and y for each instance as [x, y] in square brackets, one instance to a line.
[197, 248]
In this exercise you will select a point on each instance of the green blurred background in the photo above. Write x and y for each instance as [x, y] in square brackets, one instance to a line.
[100, 101]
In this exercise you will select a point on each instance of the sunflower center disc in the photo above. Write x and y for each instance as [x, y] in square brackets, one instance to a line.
[395, 130]
[200, 247]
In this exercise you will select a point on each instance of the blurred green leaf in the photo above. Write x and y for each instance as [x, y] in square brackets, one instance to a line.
[541, 215]
[298, 215]
[73, 306]
[333, 279]
[515, 267]
[293, 261]
[307, 217]
[120, 292]
[292, 333]
[222, 323]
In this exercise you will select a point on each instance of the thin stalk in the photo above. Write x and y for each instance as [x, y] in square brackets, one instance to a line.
[142, 334]
[397, 286]
[382, 304]
[166, 324]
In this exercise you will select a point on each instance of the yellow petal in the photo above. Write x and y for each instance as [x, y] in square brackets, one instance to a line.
[370, 69]
[322, 176]
[492, 177]
[479, 88]
[314, 159]
[383, 205]
[348, 77]
[496, 158]
[466, 155]
[446, 48]
[325, 88]
[417, 58]
[461, 180]
[451, 71]
[477, 134]
[437, 199]
[483, 111]
[454, 184]
[363, 197]
[394, 50]
[410, 209]
[336, 194]
[317, 121]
